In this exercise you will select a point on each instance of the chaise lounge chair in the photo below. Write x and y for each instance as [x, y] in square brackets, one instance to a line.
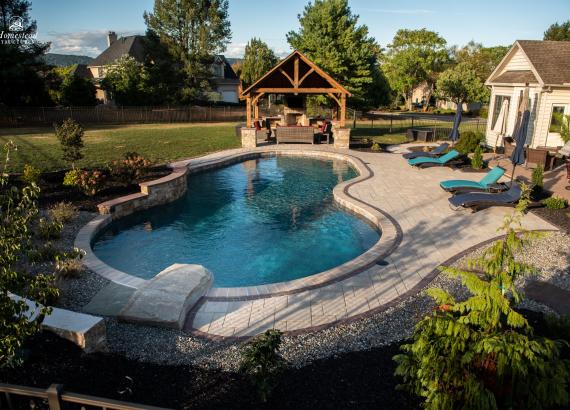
[436, 152]
[463, 185]
[427, 161]
[477, 200]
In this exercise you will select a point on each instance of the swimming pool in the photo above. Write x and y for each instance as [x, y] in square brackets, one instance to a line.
[260, 221]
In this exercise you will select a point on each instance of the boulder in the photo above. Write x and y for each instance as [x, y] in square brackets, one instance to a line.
[166, 299]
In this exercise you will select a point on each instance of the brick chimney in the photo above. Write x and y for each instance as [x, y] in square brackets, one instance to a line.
[111, 38]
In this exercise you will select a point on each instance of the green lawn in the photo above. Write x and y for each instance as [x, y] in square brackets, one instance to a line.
[159, 142]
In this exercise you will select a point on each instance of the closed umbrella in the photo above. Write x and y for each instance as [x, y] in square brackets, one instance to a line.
[500, 127]
[454, 135]
[517, 157]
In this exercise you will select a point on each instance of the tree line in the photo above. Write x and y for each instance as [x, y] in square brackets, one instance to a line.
[184, 36]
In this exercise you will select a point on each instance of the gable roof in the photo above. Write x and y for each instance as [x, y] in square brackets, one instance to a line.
[229, 73]
[309, 72]
[549, 60]
[132, 46]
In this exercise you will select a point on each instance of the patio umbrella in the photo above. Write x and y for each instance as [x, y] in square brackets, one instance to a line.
[501, 123]
[454, 134]
[517, 157]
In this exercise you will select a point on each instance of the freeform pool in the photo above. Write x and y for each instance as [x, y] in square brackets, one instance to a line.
[260, 221]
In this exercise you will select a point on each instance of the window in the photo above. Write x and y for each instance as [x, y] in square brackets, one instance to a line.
[556, 119]
[497, 107]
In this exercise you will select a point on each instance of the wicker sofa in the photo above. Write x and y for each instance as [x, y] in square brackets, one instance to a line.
[295, 134]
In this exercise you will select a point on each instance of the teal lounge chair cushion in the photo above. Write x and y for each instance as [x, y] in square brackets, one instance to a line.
[491, 178]
[439, 161]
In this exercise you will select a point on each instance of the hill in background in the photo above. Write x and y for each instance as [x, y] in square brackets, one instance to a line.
[64, 60]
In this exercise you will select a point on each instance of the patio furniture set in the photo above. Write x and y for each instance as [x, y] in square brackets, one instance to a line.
[293, 133]
[545, 156]
[465, 193]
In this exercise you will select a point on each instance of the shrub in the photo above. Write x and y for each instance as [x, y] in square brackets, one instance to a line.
[554, 202]
[477, 160]
[70, 136]
[19, 212]
[132, 166]
[49, 229]
[90, 182]
[46, 252]
[469, 141]
[63, 212]
[537, 178]
[68, 268]
[480, 352]
[483, 112]
[31, 175]
[375, 147]
[262, 362]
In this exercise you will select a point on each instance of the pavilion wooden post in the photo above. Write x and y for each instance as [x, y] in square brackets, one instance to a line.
[248, 112]
[342, 120]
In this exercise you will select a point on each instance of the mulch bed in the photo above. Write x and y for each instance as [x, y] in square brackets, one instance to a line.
[53, 190]
[353, 380]
[558, 217]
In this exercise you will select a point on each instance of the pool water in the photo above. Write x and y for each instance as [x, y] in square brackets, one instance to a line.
[260, 221]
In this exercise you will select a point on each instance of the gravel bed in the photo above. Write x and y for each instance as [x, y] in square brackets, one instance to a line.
[77, 292]
[551, 254]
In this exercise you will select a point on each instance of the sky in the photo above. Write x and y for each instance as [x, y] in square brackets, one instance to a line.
[80, 26]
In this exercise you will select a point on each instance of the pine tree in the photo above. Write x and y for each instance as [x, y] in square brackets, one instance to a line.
[331, 37]
[20, 65]
[481, 353]
[191, 33]
[258, 58]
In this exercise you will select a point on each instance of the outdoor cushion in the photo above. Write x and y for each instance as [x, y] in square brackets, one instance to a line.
[474, 199]
[489, 179]
[436, 161]
[437, 151]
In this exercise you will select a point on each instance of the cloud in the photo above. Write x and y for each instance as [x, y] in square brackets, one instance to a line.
[400, 11]
[89, 43]
[236, 50]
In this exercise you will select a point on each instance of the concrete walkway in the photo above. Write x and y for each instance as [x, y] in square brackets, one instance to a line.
[431, 234]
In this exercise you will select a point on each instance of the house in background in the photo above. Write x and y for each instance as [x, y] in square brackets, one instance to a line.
[224, 79]
[544, 67]
[420, 95]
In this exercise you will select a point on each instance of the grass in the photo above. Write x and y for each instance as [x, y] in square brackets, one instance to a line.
[159, 142]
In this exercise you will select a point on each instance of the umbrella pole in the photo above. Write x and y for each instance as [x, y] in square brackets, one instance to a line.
[513, 173]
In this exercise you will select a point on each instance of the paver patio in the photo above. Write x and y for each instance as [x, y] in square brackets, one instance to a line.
[431, 234]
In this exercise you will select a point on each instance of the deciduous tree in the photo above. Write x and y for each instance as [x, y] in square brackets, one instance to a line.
[461, 84]
[127, 82]
[69, 89]
[414, 57]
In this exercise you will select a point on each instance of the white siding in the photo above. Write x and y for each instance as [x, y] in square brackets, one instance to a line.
[547, 101]
[517, 62]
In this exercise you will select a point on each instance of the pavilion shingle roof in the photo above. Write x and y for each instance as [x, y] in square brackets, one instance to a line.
[551, 59]
[521, 76]
[132, 46]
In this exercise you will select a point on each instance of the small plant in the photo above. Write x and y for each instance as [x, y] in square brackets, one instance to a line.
[554, 202]
[31, 175]
[262, 362]
[63, 212]
[68, 268]
[537, 178]
[49, 229]
[129, 168]
[477, 160]
[469, 141]
[375, 147]
[90, 182]
[70, 136]
[46, 252]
